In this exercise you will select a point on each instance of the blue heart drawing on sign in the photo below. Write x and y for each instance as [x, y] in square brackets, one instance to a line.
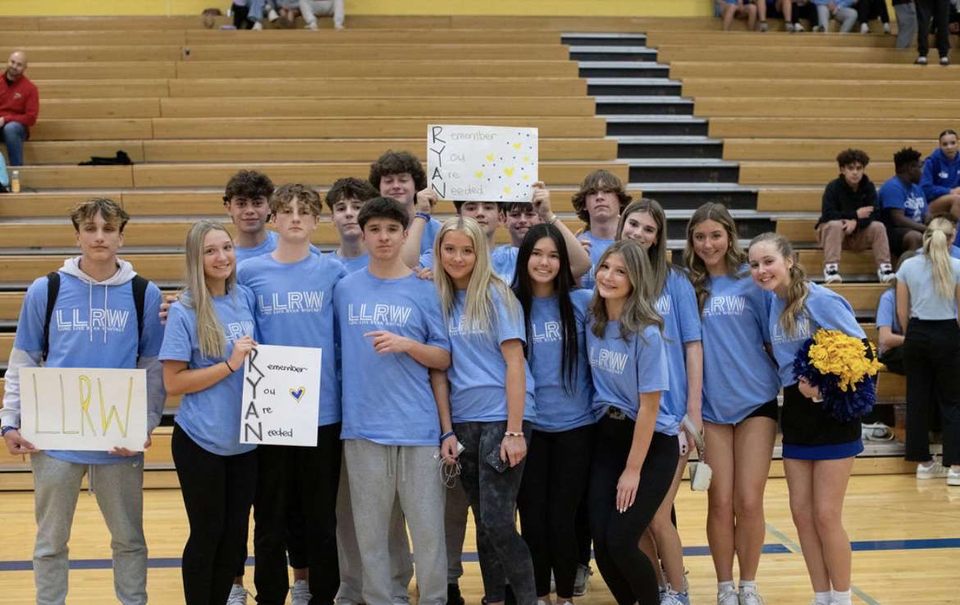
[298, 393]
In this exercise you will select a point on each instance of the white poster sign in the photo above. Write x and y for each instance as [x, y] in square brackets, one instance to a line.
[482, 163]
[92, 409]
[281, 396]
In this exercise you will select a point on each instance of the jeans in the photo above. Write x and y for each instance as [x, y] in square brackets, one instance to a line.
[14, 134]
[846, 16]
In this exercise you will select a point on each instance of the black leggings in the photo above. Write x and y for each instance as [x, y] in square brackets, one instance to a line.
[931, 358]
[629, 574]
[554, 483]
[939, 11]
[217, 493]
[303, 479]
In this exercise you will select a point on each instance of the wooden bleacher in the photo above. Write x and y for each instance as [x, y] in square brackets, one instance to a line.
[192, 106]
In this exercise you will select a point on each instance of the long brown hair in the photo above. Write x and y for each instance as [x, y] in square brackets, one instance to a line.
[196, 294]
[733, 258]
[638, 311]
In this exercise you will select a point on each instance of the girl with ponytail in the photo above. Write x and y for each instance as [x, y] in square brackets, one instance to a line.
[927, 304]
[818, 450]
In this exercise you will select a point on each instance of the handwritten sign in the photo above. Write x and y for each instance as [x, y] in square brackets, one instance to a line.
[92, 409]
[281, 396]
[482, 163]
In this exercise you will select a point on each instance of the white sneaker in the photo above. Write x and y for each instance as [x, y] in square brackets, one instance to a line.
[885, 273]
[819, 29]
[788, 27]
[582, 581]
[300, 593]
[886, 28]
[864, 28]
[728, 597]
[272, 15]
[875, 431]
[798, 27]
[953, 477]
[831, 274]
[672, 597]
[931, 470]
[238, 595]
[257, 26]
[750, 597]
[312, 26]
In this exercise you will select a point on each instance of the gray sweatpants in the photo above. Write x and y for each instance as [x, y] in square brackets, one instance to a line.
[384, 474]
[906, 24]
[119, 492]
[348, 552]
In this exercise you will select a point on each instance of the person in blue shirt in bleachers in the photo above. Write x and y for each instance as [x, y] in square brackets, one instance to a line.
[903, 208]
[941, 176]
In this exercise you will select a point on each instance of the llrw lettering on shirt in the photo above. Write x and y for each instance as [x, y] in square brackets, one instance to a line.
[465, 328]
[802, 332]
[378, 314]
[663, 305]
[101, 320]
[307, 301]
[725, 305]
[238, 329]
[608, 361]
[549, 331]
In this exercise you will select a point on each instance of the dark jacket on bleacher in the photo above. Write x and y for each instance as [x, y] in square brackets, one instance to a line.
[840, 202]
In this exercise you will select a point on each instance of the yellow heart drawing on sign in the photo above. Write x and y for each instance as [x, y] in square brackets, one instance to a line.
[489, 157]
[506, 190]
[508, 171]
[526, 159]
[526, 177]
[478, 174]
[298, 393]
[517, 145]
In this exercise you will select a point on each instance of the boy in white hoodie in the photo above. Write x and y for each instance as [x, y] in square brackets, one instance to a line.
[95, 323]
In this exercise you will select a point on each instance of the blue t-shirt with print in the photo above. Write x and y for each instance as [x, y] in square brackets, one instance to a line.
[738, 374]
[897, 194]
[503, 259]
[677, 305]
[622, 369]
[387, 398]
[561, 405]
[478, 371]
[597, 247]
[211, 417]
[294, 308]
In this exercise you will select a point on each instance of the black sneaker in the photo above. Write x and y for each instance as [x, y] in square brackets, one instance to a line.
[453, 595]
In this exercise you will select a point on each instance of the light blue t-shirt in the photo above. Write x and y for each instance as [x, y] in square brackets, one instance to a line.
[622, 369]
[294, 308]
[430, 231]
[925, 302]
[677, 306]
[478, 371]
[92, 326]
[387, 397]
[352, 264]
[561, 406]
[825, 309]
[887, 311]
[597, 248]
[211, 417]
[503, 259]
[896, 194]
[267, 246]
[738, 374]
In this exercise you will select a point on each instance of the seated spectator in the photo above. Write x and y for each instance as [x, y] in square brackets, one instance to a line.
[849, 218]
[902, 205]
[939, 12]
[868, 10]
[19, 106]
[740, 9]
[310, 9]
[794, 10]
[840, 10]
[941, 176]
[906, 12]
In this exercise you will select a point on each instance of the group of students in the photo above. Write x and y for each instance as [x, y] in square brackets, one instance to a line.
[855, 215]
[454, 375]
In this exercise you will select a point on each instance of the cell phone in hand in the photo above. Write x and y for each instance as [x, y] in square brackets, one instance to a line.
[493, 459]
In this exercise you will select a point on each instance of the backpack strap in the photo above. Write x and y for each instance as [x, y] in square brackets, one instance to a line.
[53, 289]
[139, 286]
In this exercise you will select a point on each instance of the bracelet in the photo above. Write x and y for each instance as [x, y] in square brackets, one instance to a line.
[7, 429]
[426, 217]
[512, 434]
[227, 363]
[446, 436]
[552, 220]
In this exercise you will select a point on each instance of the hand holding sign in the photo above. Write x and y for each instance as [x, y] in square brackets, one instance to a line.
[482, 163]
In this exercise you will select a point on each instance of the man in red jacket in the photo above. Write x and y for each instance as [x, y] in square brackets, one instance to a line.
[19, 105]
